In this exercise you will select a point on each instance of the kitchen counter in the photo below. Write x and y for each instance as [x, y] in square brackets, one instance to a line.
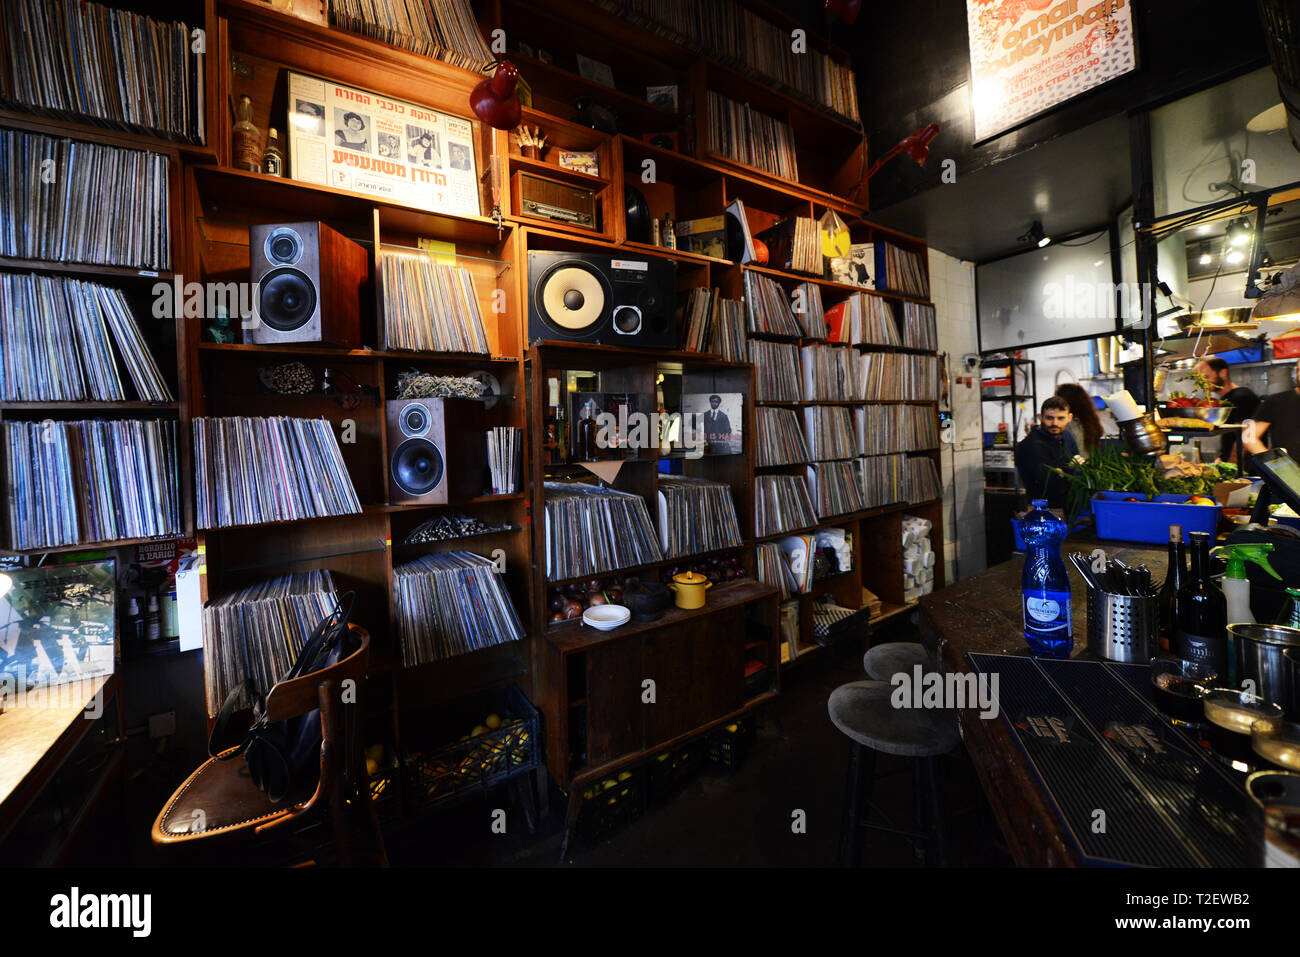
[982, 614]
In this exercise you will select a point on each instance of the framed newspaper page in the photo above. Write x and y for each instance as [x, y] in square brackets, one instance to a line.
[377, 146]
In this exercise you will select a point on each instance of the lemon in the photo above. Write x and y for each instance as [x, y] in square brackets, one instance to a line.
[493, 721]
[372, 767]
[625, 775]
[479, 729]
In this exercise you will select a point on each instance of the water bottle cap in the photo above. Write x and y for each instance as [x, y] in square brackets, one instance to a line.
[1038, 503]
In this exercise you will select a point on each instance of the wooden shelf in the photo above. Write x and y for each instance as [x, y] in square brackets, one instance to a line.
[87, 270]
[293, 197]
[555, 171]
[90, 546]
[335, 352]
[75, 406]
[832, 284]
[89, 130]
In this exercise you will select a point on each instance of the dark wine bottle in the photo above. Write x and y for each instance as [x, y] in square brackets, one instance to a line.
[1175, 576]
[1202, 613]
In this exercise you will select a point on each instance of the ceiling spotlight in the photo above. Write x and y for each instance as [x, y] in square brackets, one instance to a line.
[1265, 259]
[1036, 235]
[1206, 259]
[1238, 232]
[1234, 256]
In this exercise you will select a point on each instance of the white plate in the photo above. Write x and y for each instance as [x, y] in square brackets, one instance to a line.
[607, 617]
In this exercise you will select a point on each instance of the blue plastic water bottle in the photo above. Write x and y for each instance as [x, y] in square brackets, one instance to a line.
[1045, 584]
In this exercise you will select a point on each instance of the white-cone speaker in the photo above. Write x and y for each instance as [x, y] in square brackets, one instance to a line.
[573, 298]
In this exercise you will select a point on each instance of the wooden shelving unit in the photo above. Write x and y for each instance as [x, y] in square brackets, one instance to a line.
[579, 679]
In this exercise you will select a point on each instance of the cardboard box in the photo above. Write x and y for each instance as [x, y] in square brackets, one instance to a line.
[1234, 493]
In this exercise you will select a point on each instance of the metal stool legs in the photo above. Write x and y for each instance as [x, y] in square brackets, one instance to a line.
[930, 834]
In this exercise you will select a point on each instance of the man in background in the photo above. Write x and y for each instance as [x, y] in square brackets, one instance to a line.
[1276, 422]
[1048, 446]
[1243, 401]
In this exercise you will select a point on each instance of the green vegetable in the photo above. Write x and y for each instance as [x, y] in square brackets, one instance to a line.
[1110, 469]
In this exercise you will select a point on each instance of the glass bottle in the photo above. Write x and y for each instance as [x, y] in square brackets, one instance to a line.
[1203, 614]
[586, 432]
[245, 138]
[1045, 584]
[1290, 613]
[272, 158]
[1174, 578]
[670, 235]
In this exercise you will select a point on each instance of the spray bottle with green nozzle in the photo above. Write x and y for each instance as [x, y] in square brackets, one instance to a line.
[1236, 586]
[1236, 589]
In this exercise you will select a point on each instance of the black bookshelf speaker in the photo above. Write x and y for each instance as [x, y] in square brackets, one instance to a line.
[588, 297]
[423, 468]
[307, 282]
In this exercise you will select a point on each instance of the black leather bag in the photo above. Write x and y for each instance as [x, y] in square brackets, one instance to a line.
[283, 757]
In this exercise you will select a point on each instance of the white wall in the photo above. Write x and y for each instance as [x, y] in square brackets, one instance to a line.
[952, 288]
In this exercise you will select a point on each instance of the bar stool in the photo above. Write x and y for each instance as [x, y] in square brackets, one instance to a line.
[886, 660]
[862, 711]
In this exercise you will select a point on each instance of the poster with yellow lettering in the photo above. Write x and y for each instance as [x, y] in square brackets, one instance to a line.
[366, 143]
[1028, 56]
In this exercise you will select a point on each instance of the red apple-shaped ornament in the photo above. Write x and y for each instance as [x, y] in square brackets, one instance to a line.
[851, 10]
[761, 254]
[495, 100]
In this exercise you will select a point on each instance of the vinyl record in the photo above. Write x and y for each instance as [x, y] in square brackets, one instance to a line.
[491, 387]
[573, 298]
[638, 215]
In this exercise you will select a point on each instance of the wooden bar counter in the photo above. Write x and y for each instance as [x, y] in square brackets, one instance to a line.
[982, 614]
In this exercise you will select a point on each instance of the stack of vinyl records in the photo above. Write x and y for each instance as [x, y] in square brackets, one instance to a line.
[505, 454]
[794, 245]
[729, 32]
[248, 471]
[714, 324]
[429, 306]
[863, 320]
[774, 570]
[451, 603]
[807, 305]
[443, 29]
[835, 488]
[828, 373]
[920, 327]
[800, 554]
[886, 375]
[777, 371]
[113, 66]
[751, 137]
[767, 307]
[783, 504]
[696, 516]
[105, 205]
[56, 337]
[91, 481]
[903, 271]
[780, 439]
[257, 632]
[895, 428]
[882, 479]
[591, 530]
[830, 432]
[922, 480]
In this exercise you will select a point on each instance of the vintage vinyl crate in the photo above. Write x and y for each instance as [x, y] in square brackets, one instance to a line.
[607, 807]
[449, 770]
[672, 770]
[729, 744]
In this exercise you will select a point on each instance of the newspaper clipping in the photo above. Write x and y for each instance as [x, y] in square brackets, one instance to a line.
[359, 141]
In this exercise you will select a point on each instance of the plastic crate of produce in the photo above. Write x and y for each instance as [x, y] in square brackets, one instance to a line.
[446, 758]
[1149, 522]
[611, 803]
[729, 744]
[672, 770]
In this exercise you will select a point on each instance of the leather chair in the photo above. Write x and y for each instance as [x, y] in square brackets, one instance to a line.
[218, 813]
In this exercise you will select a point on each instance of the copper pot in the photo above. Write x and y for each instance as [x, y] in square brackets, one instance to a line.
[1144, 436]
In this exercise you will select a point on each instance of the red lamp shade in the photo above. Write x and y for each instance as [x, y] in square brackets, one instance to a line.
[495, 101]
[917, 145]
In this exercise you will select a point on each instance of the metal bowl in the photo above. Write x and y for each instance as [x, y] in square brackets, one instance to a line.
[1144, 436]
[1216, 415]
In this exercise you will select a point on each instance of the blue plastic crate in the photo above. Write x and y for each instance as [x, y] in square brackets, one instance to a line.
[1245, 354]
[1150, 521]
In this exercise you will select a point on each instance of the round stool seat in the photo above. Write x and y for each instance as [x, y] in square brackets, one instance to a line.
[886, 660]
[862, 710]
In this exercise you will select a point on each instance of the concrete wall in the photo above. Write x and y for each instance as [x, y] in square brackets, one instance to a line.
[952, 287]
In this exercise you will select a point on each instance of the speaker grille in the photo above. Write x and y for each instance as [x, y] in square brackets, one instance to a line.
[417, 466]
[286, 299]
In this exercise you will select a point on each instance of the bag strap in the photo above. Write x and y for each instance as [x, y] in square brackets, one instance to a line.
[330, 630]
[221, 741]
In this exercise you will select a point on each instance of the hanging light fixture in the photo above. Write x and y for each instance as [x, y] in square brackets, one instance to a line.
[1036, 235]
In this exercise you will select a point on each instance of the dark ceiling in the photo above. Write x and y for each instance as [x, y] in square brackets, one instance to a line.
[1074, 182]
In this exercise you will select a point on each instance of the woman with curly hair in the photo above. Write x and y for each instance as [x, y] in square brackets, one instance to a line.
[1085, 424]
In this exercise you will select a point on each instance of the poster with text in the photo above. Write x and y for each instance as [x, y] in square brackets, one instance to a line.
[1028, 56]
[366, 143]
